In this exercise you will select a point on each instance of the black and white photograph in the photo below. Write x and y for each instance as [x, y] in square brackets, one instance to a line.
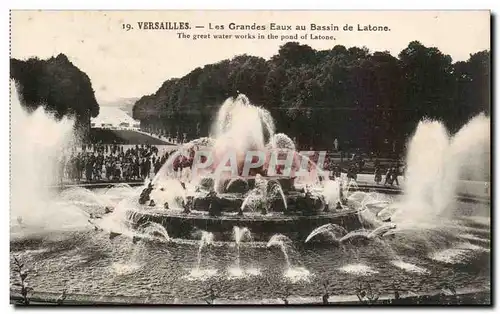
[250, 158]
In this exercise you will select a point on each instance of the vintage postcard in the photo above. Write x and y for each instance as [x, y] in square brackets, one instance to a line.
[250, 157]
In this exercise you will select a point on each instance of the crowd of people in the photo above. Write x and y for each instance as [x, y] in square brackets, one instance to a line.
[126, 163]
[391, 175]
[356, 165]
[97, 162]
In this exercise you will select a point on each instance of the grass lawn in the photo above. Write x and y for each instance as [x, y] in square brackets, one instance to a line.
[126, 137]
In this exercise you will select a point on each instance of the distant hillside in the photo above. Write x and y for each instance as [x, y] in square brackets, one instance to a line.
[56, 84]
[125, 104]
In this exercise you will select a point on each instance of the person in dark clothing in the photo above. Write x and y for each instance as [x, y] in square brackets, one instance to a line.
[157, 166]
[351, 174]
[378, 175]
[388, 177]
[394, 176]
[118, 172]
[143, 169]
[136, 169]
[89, 167]
[109, 171]
[147, 167]
[361, 164]
[338, 171]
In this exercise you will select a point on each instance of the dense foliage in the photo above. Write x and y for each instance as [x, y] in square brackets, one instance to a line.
[57, 85]
[366, 100]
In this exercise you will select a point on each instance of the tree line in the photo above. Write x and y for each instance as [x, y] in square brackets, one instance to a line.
[57, 85]
[367, 100]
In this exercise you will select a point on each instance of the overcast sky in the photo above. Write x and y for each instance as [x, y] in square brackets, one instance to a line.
[123, 64]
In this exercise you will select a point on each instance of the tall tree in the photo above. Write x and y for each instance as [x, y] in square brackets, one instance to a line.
[367, 100]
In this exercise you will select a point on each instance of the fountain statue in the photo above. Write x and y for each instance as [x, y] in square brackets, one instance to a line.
[244, 173]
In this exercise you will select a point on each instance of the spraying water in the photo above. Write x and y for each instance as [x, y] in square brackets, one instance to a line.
[207, 238]
[198, 273]
[471, 146]
[356, 236]
[39, 141]
[240, 128]
[282, 242]
[432, 175]
[334, 191]
[264, 191]
[427, 172]
[154, 230]
[358, 269]
[334, 231]
[228, 129]
[275, 190]
[331, 193]
[409, 267]
[240, 234]
[292, 273]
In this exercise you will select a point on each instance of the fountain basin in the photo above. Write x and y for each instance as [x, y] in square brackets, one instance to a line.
[263, 227]
[466, 296]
